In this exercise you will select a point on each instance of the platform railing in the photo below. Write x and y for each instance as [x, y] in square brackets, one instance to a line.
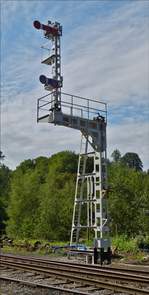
[72, 105]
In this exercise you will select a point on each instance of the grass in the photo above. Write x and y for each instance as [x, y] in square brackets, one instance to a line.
[125, 244]
[25, 247]
[25, 252]
[127, 247]
[43, 242]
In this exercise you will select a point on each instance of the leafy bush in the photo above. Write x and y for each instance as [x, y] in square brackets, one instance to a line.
[125, 244]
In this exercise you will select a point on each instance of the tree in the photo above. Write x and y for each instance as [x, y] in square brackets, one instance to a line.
[25, 198]
[128, 199]
[5, 174]
[133, 161]
[116, 155]
[65, 161]
[41, 197]
[1, 157]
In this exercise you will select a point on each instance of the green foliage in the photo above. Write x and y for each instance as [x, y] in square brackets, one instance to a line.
[122, 243]
[133, 161]
[41, 198]
[127, 200]
[5, 174]
[1, 156]
[116, 155]
[64, 162]
[24, 200]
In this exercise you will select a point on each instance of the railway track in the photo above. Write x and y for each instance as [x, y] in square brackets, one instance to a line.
[88, 276]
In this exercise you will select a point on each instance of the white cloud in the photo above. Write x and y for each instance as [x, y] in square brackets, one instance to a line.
[130, 137]
[114, 65]
[106, 58]
[23, 138]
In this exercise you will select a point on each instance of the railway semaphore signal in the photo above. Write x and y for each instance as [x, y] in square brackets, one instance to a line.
[52, 32]
[90, 214]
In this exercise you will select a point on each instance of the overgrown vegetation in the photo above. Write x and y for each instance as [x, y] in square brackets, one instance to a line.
[5, 175]
[36, 199]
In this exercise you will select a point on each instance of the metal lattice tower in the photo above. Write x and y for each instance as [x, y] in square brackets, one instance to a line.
[90, 194]
[52, 32]
[90, 117]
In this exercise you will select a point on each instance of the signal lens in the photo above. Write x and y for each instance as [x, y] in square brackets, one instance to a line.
[37, 24]
[43, 79]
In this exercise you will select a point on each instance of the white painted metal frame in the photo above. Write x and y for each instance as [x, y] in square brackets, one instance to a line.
[90, 117]
[54, 60]
[96, 196]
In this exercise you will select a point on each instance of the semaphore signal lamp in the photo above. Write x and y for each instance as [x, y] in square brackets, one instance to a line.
[49, 29]
[51, 83]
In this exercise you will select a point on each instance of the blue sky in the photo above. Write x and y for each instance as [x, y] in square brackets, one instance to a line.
[105, 55]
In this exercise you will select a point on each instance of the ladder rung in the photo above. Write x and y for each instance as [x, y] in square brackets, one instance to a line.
[86, 174]
[85, 201]
[87, 154]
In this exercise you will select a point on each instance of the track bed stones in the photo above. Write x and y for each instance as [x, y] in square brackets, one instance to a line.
[74, 278]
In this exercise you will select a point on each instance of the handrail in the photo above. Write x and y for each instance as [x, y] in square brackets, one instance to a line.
[96, 101]
[68, 102]
[72, 95]
[83, 106]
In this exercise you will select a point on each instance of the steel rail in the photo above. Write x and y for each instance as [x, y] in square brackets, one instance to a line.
[88, 280]
[110, 271]
[96, 274]
[39, 285]
[93, 266]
